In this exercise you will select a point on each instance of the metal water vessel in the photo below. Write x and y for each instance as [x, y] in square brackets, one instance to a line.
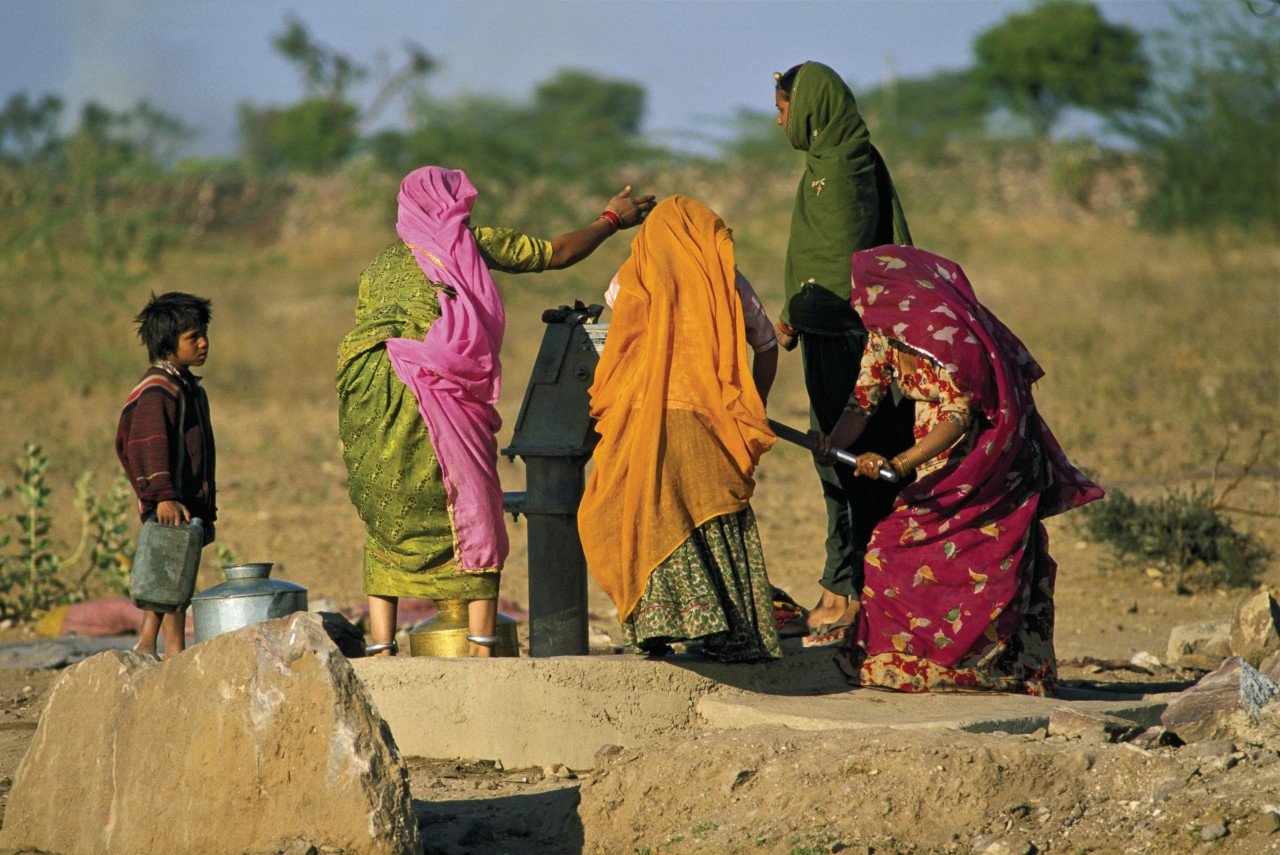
[445, 633]
[165, 565]
[248, 596]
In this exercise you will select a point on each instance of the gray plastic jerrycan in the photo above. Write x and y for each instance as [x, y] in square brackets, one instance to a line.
[165, 565]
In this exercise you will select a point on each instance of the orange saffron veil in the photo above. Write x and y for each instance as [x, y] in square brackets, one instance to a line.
[682, 426]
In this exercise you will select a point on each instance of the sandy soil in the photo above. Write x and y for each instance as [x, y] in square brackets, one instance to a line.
[771, 789]
[775, 790]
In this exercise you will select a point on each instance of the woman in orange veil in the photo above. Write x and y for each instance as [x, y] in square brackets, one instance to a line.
[666, 521]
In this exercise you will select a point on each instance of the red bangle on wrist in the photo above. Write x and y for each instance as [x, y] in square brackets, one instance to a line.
[613, 219]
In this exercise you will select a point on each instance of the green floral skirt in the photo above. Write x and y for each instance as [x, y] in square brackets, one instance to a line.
[712, 589]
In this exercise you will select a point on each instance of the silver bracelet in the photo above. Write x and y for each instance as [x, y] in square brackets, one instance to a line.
[391, 645]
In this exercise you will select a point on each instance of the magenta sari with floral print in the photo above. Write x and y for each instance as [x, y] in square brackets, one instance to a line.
[959, 583]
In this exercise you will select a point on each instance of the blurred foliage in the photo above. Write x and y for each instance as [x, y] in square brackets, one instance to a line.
[33, 577]
[313, 135]
[108, 189]
[28, 128]
[320, 131]
[754, 137]
[95, 189]
[577, 126]
[1061, 53]
[923, 118]
[1211, 129]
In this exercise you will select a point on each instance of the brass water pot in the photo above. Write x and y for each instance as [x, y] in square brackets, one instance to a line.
[445, 633]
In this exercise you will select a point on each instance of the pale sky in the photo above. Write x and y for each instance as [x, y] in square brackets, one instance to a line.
[700, 62]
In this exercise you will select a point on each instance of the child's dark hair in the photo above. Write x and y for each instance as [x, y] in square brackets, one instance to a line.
[783, 82]
[167, 317]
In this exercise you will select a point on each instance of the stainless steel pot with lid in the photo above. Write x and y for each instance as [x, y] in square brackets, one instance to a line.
[248, 596]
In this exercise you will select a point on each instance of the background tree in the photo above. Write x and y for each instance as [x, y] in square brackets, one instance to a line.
[591, 105]
[319, 131]
[1062, 53]
[920, 117]
[1212, 129]
[28, 128]
[578, 129]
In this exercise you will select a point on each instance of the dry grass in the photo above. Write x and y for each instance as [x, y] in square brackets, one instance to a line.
[1157, 349]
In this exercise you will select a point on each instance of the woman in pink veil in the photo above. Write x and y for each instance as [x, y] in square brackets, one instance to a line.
[418, 382]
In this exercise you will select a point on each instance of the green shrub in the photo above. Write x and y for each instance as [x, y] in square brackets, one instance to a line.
[1211, 130]
[1183, 533]
[33, 577]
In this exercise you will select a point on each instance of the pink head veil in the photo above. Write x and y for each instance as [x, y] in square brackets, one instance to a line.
[454, 372]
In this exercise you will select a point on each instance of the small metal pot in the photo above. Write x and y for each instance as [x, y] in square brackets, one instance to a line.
[248, 596]
[445, 633]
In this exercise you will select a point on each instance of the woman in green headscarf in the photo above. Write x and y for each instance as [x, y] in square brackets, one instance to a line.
[845, 203]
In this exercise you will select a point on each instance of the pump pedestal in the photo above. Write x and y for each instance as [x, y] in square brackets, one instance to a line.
[554, 436]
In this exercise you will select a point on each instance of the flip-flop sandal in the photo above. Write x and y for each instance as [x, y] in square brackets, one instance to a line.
[826, 634]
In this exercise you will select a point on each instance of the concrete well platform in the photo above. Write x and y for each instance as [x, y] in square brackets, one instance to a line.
[533, 712]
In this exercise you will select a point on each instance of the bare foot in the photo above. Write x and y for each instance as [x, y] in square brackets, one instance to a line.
[147, 650]
[832, 609]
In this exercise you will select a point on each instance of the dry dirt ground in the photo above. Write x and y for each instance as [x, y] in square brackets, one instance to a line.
[772, 789]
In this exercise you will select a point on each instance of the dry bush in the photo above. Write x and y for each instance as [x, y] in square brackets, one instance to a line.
[1187, 532]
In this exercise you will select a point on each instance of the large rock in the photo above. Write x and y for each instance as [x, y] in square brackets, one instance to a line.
[1271, 667]
[1090, 727]
[1255, 627]
[243, 743]
[1202, 645]
[1235, 701]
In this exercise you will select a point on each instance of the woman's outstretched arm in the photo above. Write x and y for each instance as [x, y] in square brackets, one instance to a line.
[570, 248]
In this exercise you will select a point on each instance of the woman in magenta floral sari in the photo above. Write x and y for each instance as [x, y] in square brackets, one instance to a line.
[959, 583]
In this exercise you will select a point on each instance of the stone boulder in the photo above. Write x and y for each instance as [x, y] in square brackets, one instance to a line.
[244, 743]
[1090, 727]
[1271, 667]
[1255, 627]
[1234, 702]
[1201, 645]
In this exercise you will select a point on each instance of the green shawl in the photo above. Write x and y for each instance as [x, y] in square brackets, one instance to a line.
[845, 202]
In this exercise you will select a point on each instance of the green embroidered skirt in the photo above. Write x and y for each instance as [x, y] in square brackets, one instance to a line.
[713, 589]
[396, 485]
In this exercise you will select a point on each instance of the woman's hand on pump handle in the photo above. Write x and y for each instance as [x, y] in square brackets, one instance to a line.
[631, 210]
[869, 465]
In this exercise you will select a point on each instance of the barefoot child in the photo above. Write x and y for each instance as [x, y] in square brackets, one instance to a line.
[165, 439]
